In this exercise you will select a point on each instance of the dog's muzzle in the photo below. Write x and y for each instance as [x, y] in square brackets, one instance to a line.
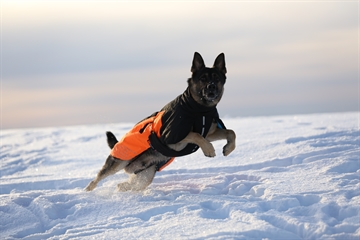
[210, 92]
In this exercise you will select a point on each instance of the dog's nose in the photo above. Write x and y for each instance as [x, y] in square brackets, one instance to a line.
[211, 87]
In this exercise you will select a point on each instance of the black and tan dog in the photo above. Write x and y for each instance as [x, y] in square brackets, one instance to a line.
[188, 122]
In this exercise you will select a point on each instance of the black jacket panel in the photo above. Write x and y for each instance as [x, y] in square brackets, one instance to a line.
[181, 116]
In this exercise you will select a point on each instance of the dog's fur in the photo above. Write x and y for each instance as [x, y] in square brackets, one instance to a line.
[206, 88]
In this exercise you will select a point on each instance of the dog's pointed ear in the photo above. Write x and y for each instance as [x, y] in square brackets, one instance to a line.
[198, 63]
[220, 63]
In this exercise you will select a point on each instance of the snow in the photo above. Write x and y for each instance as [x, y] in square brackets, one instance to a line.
[290, 177]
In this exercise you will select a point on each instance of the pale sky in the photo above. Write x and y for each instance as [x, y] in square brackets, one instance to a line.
[78, 62]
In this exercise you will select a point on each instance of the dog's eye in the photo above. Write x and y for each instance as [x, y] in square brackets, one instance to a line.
[215, 77]
[203, 78]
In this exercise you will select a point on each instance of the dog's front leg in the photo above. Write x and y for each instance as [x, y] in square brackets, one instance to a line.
[219, 134]
[196, 138]
[139, 181]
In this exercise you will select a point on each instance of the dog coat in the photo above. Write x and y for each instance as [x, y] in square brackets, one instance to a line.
[168, 126]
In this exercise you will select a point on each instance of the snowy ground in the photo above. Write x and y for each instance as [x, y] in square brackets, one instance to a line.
[290, 177]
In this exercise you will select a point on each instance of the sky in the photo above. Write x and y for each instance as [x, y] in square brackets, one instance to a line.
[93, 62]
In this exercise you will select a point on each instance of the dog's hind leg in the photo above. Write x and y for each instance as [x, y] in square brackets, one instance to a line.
[139, 181]
[110, 167]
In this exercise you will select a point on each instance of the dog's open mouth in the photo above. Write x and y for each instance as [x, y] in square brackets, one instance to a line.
[211, 96]
[210, 92]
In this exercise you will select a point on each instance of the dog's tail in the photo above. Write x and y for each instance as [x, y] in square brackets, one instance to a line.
[111, 139]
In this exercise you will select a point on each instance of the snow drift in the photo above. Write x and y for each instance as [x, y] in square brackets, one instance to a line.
[290, 177]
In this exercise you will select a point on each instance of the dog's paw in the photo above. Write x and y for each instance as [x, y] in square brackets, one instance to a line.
[228, 148]
[123, 187]
[90, 186]
[209, 150]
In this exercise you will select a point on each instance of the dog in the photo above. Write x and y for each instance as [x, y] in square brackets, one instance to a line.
[182, 126]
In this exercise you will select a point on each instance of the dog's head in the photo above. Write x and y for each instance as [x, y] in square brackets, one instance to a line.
[207, 84]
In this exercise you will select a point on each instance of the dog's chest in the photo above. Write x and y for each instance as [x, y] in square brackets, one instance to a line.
[202, 125]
